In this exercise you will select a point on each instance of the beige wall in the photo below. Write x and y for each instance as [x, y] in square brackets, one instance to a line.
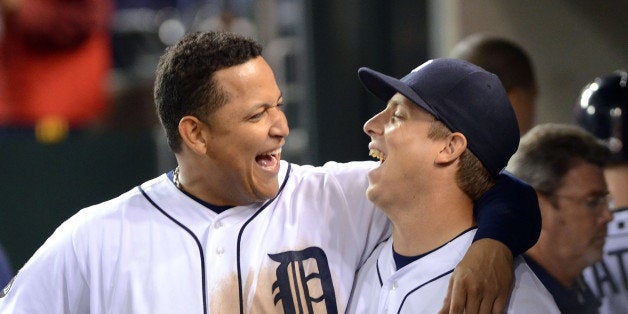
[570, 41]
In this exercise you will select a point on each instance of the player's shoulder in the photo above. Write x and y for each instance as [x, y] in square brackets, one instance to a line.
[524, 275]
[350, 178]
[109, 211]
[332, 168]
[528, 291]
[126, 199]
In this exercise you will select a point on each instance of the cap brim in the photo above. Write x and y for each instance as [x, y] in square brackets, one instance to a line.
[384, 87]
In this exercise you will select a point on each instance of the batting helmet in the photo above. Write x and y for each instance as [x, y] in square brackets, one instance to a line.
[603, 111]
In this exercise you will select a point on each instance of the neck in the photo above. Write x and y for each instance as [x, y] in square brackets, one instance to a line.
[211, 191]
[565, 271]
[430, 222]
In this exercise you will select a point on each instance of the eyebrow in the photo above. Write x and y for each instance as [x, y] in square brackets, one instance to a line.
[267, 105]
[392, 104]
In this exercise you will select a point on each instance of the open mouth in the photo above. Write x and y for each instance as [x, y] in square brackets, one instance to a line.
[269, 159]
[377, 154]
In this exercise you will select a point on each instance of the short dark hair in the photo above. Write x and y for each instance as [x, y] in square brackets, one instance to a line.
[472, 177]
[184, 82]
[500, 56]
[548, 151]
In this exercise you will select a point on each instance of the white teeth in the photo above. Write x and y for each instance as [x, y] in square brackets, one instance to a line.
[273, 152]
[377, 154]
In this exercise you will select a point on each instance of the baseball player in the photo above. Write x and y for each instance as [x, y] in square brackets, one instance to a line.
[233, 228]
[602, 110]
[438, 153]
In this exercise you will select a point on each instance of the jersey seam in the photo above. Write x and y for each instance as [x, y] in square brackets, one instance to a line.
[421, 286]
[240, 286]
[198, 244]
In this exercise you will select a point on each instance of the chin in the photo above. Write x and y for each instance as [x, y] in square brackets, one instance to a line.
[267, 193]
[370, 195]
[594, 257]
[374, 197]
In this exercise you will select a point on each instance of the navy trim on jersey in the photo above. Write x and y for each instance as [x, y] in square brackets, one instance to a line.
[379, 275]
[575, 299]
[403, 260]
[198, 244]
[240, 287]
[215, 208]
[417, 257]
[421, 286]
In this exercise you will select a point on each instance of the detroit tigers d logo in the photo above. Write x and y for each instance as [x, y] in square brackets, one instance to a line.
[304, 281]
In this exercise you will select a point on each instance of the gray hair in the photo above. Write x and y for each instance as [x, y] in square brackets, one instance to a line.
[548, 151]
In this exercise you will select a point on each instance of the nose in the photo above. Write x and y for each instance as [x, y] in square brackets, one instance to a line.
[373, 126]
[607, 215]
[279, 127]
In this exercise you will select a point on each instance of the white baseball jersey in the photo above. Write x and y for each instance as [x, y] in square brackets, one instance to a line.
[421, 286]
[156, 250]
[609, 278]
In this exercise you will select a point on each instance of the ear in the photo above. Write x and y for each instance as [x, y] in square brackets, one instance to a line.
[455, 145]
[549, 213]
[191, 130]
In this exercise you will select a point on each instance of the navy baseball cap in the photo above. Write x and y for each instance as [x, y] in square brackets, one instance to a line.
[465, 97]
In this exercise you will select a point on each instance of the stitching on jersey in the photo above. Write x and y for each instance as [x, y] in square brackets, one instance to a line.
[240, 287]
[379, 274]
[198, 244]
[421, 286]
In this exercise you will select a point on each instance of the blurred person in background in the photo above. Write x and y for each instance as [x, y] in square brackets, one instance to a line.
[228, 22]
[565, 165]
[55, 61]
[512, 64]
[603, 110]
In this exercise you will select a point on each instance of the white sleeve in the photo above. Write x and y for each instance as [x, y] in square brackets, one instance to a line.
[352, 179]
[528, 293]
[52, 281]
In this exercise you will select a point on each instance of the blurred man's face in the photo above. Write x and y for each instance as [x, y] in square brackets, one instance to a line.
[578, 223]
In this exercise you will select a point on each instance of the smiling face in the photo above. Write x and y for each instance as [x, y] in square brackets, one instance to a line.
[399, 139]
[244, 137]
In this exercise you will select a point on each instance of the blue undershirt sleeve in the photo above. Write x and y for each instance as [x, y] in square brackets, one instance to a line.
[509, 212]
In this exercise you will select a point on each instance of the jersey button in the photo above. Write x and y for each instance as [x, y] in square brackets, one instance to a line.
[220, 250]
[394, 286]
[217, 225]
